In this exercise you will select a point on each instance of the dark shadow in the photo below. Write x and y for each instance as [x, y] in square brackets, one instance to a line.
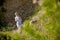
[59, 0]
[2, 11]
[26, 10]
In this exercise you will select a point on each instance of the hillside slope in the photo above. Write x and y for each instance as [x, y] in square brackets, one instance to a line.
[43, 25]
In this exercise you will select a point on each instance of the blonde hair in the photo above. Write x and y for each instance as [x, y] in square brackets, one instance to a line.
[16, 13]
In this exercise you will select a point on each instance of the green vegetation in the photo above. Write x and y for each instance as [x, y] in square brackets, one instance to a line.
[46, 28]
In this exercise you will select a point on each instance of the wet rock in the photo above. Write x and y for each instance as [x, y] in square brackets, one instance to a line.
[34, 20]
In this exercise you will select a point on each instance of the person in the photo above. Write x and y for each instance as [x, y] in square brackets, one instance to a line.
[18, 21]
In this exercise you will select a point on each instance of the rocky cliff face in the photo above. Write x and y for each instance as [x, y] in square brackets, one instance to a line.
[24, 7]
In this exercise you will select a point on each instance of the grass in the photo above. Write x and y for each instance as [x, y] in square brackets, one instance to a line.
[46, 28]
